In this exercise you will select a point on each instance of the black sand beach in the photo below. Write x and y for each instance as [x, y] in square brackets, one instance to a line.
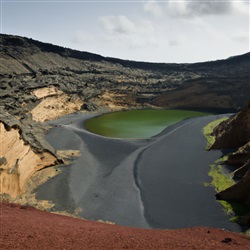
[149, 183]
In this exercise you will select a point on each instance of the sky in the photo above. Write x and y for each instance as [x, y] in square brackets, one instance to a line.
[170, 31]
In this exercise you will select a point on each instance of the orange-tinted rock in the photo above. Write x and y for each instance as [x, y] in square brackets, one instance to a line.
[19, 161]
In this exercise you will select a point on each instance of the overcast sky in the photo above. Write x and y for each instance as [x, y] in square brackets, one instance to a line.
[155, 31]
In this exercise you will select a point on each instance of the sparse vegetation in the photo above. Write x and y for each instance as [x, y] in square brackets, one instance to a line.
[223, 159]
[208, 130]
[106, 222]
[221, 181]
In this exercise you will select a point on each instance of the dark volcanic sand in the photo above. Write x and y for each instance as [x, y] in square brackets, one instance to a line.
[172, 173]
[27, 228]
[157, 182]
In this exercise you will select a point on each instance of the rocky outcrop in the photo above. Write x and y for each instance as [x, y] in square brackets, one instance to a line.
[18, 160]
[31, 132]
[54, 104]
[23, 152]
[241, 156]
[46, 92]
[234, 133]
[239, 192]
[241, 171]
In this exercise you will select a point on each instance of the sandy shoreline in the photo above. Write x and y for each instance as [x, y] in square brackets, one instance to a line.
[101, 181]
[112, 180]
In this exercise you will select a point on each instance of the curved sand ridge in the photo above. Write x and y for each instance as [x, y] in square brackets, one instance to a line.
[156, 182]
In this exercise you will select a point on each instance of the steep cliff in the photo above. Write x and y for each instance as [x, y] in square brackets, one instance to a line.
[18, 160]
[234, 133]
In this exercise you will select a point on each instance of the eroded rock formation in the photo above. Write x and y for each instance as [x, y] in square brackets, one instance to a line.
[241, 156]
[233, 133]
[239, 192]
[54, 104]
[18, 160]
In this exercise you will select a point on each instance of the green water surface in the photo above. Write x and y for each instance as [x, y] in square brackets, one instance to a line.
[137, 123]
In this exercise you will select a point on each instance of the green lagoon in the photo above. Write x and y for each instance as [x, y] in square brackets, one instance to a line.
[137, 123]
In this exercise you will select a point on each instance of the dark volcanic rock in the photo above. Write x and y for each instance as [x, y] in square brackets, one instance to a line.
[234, 132]
[239, 192]
[26, 64]
[241, 156]
[240, 172]
[30, 131]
